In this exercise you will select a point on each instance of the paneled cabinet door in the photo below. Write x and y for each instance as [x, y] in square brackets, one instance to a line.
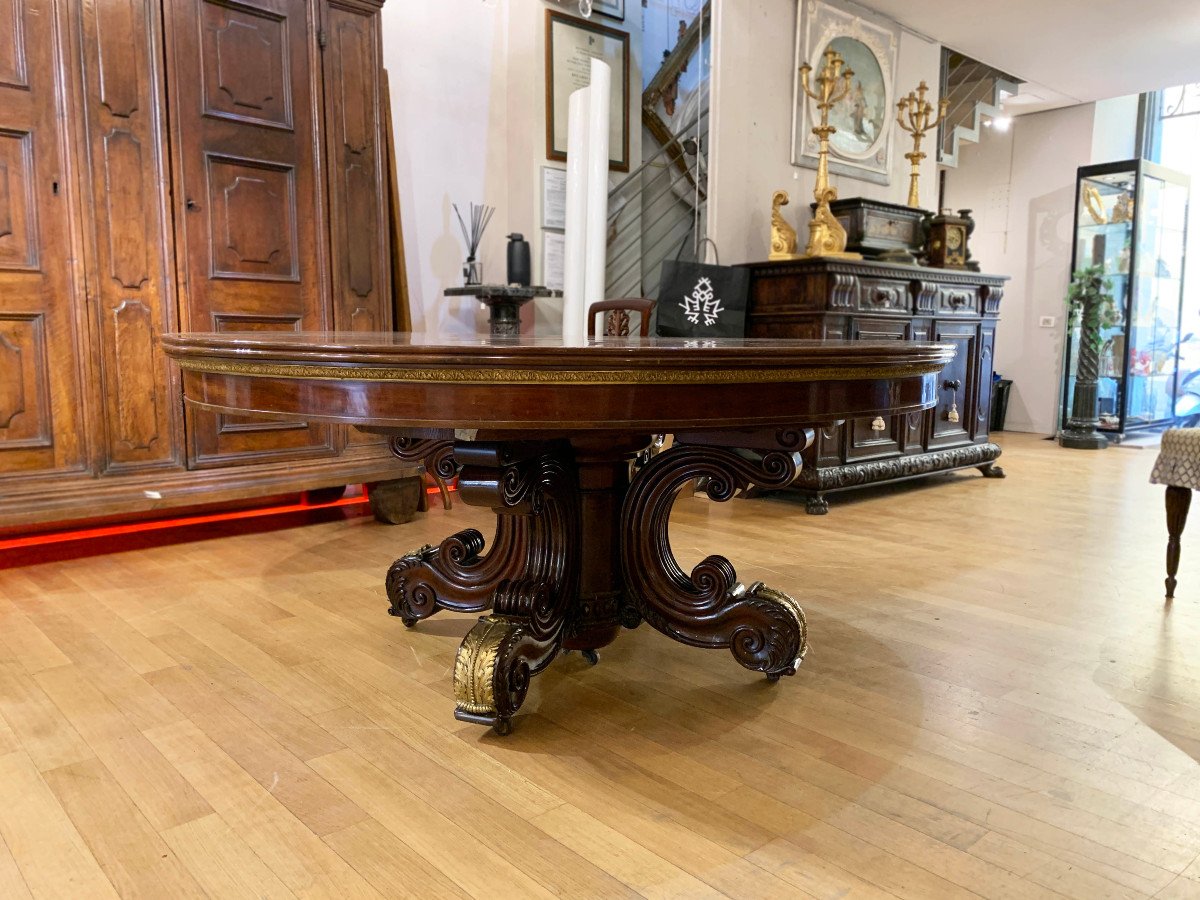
[41, 422]
[248, 195]
[130, 276]
[987, 364]
[352, 65]
[958, 386]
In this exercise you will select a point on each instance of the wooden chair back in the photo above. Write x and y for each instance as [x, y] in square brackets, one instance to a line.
[616, 315]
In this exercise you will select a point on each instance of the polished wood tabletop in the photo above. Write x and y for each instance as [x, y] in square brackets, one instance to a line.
[524, 382]
[553, 438]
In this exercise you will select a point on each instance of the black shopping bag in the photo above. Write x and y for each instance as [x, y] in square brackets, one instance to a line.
[702, 301]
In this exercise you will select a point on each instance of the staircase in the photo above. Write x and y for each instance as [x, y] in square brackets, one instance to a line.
[976, 93]
[658, 211]
[652, 213]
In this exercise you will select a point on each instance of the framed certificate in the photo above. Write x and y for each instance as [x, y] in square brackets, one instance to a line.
[571, 45]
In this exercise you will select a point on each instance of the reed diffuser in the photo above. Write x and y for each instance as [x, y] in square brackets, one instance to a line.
[480, 216]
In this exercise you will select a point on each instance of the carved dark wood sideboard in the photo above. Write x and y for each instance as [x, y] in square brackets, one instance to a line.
[179, 163]
[854, 300]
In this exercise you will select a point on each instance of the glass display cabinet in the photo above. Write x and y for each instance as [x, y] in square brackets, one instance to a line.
[1131, 220]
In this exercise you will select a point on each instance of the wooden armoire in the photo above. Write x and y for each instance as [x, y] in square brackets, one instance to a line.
[202, 165]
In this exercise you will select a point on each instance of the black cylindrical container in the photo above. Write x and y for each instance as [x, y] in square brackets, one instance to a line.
[519, 264]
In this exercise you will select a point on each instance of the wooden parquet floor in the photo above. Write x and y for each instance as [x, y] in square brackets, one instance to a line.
[997, 704]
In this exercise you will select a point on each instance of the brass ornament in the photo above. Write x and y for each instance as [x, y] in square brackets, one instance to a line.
[913, 115]
[826, 236]
[1094, 204]
[783, 235]
[477, 668]
[1123, 210]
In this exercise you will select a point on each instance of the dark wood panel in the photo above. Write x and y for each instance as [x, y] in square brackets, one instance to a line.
[41, 360]
[12, 44]
[18, 240]
[125, 201]
[117, 24]
[245, 56]
[121, 103]
[137, 387]
[25, 421]
[951, 421]
[253, 219]
[358, 221]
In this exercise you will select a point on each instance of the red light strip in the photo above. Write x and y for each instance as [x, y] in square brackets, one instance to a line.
[87, 534]
[106, 531]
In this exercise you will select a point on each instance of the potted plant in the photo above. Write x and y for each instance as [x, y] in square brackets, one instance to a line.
[1091, 307]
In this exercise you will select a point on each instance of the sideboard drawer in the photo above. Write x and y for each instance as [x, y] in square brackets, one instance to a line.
[958, 301]
[883, 295]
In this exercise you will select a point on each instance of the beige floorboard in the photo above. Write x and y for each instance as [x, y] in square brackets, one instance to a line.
[997, 703]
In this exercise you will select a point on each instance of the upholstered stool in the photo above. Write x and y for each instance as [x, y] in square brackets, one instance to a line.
[1178, 467]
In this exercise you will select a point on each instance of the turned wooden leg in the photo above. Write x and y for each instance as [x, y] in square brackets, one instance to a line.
[1179, 500]
[765, 629]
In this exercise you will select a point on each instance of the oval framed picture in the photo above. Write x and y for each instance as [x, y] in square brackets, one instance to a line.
[862, 145]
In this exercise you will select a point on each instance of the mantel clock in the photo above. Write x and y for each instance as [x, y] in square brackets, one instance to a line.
[947, 246]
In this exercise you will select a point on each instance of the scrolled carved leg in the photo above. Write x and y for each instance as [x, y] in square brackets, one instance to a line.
[765, 629]
[991, 470]
[456, 575]
[535, 490]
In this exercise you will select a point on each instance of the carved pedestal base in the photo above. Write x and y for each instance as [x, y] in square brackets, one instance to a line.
[579, 551]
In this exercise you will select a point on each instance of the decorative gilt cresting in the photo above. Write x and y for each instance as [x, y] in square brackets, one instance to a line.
[765, 629]
[826, 236]
[913, 115]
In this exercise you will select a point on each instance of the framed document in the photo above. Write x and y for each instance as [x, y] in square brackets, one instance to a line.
[554, 198]
[571, 45]
[614, 9]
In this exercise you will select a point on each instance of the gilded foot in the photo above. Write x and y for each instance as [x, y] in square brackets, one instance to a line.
[779, 649]
[492, 670]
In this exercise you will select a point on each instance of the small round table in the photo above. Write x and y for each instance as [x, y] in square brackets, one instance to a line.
[504, 302]
[544, 435]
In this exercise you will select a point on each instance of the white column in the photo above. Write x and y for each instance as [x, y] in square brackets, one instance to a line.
[599, 117]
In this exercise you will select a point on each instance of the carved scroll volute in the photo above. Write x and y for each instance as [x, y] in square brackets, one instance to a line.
[710, 608]
[437, 455]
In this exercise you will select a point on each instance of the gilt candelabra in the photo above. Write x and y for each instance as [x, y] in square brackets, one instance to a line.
[826, 236]
[913, 115]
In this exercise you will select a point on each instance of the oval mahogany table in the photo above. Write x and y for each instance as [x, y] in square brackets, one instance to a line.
[545, 435]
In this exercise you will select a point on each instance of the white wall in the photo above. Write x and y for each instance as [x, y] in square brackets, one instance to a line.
[447, 66]
[1021, 186]
[752, 127]
[468, 109]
